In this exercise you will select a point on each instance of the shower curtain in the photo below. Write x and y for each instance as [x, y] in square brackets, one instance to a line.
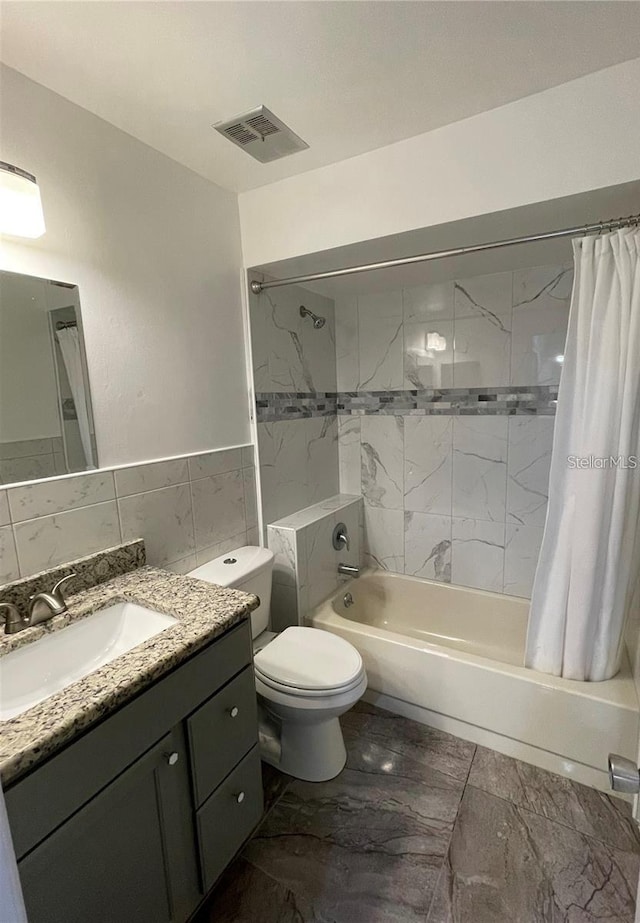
[589, 555]
[70, 347]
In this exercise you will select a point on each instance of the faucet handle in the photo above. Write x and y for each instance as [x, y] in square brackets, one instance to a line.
[44, 605]
[56, 592]
[13, 620]
[340, 537]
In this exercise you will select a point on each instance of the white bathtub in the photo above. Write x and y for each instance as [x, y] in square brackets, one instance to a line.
[452, 658]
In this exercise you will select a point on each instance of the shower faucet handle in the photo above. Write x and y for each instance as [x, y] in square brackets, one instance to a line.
[340, 538]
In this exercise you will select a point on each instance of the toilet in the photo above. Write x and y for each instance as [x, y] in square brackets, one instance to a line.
[305, 678]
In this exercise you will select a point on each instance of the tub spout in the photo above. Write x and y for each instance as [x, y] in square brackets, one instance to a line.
[349, 570]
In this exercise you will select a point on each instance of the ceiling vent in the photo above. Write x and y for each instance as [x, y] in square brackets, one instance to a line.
[261, 134]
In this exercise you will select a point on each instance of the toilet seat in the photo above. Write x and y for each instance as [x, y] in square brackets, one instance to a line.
[309, 662]
[297, 692]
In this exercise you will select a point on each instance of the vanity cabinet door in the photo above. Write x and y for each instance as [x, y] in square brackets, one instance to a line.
[127, 855]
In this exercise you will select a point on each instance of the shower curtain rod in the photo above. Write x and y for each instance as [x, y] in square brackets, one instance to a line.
[257, 287]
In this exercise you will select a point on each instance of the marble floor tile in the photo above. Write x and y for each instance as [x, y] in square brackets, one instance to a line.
[402, 742]
[368, 845]
[509, 865]
[393, 839]
[560, 799]
[245, 894]
[363, 847]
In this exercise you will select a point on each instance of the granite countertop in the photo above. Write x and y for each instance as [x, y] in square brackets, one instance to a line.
[203, 611]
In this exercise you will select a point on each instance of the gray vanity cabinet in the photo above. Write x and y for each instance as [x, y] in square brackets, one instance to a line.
[128, 855]
[134, 820]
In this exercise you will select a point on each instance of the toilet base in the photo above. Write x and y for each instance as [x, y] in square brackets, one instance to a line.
[301, 735]
[314, 752]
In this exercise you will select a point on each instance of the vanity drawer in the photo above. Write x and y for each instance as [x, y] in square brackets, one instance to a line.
[227, 819]
[221, 731]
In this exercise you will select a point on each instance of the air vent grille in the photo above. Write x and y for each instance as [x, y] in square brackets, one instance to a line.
[263, 126]
[240, 134]
[261, 134]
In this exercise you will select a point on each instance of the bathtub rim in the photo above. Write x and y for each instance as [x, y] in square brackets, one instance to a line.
[621, 687]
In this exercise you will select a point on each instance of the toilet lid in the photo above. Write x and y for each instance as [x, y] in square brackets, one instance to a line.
[309, 658]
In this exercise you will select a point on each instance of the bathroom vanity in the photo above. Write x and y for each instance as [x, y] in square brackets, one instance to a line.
[128, 796]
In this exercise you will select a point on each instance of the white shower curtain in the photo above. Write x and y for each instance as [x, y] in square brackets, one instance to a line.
[589, 550]
[70, 347]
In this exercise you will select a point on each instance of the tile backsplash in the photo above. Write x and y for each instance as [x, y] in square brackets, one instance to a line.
[188, 510]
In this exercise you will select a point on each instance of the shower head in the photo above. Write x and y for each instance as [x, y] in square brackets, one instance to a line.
[318, 322]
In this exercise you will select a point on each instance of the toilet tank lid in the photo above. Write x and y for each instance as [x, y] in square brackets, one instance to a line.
[234, 567]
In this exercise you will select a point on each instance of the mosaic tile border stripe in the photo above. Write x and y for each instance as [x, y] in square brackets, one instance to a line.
[274, 406]
[523, 400]
[503, 401]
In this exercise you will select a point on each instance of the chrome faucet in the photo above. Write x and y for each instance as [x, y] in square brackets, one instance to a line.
[13, 620]
[349, 570]
[42, 607]
[340, 538]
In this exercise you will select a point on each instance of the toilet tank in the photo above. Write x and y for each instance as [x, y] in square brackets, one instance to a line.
[249, 569]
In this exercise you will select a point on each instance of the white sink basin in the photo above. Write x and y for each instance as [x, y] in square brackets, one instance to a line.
[36, 671]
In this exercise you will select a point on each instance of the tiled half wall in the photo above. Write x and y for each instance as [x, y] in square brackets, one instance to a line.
[188, 510]
[444, 397]
[306, 563]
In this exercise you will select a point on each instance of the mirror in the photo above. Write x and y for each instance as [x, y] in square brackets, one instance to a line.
[46, 422]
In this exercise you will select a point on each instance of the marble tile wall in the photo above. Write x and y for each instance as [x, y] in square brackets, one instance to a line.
[188, 510]
[306, 563]
[298, 457]
[458, 496]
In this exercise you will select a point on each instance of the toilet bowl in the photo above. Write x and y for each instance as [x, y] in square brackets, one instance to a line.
[305, 677]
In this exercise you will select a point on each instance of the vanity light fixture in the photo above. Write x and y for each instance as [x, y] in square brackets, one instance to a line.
[21, 212]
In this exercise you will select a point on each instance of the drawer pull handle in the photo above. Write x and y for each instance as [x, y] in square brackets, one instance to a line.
[240, 797]
[233, 712]
[172, 758]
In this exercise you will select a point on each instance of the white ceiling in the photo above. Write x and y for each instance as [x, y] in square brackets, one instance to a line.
[348, 77]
